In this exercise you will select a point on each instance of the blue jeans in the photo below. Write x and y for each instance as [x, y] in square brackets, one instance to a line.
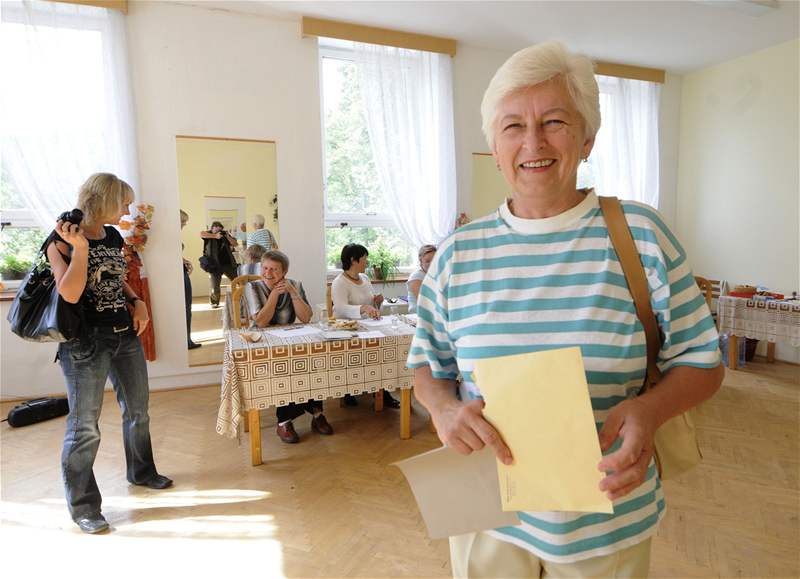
[87, 363]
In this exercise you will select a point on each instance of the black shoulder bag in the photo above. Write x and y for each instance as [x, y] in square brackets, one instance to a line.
[39, 313]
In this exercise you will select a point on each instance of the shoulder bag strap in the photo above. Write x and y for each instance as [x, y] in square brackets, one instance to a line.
[629, 259]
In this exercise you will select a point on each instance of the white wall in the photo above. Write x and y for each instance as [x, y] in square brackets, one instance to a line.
[668, 138]
[473, 68]
[738, 185]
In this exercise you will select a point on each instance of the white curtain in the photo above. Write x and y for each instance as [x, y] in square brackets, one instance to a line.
[65, 103]
[625, 156]
[409, 102]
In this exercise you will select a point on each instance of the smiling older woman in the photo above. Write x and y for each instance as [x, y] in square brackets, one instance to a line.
[276, 300]
[549, 277]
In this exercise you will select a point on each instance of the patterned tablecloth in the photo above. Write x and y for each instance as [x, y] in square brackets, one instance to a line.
[277, 371]
[772, 320]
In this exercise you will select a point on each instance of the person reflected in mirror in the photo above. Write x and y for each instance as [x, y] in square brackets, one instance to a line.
[426, 253]
[260, 235]
[252, 260]
[276, 300]
[241, 235]
[218, 246]
[187, 289]
[354, 298]
[89, 270]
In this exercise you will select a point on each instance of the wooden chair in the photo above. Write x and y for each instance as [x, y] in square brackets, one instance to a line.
[710, 290]
[237, 289]
[329, 301]
[705, 288]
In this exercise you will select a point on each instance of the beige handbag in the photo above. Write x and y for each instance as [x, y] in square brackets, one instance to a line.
[676, 441]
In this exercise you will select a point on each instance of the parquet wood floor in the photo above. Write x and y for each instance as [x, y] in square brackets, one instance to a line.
[335, 507]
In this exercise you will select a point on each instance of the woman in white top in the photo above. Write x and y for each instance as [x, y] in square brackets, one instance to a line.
[351, 291]
[354, 298]
[426, 253]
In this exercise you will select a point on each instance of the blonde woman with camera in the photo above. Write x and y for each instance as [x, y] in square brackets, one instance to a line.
[89, 270]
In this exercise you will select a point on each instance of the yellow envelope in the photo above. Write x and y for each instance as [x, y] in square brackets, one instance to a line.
[539, 403]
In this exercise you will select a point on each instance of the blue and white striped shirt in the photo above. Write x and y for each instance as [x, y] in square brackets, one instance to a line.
[262, 237]
[504, 285]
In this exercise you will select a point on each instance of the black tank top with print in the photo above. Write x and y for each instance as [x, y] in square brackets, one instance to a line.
[103, 300]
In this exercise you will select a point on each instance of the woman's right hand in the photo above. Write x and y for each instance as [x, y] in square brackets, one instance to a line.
[462, 427]
[72, 234]
[370, 312]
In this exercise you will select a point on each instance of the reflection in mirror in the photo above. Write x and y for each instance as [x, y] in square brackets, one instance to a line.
[226, 185]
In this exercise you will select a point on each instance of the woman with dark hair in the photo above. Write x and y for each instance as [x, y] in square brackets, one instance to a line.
[217, 246]
[89, 270]
[354, 298]
[351, 291]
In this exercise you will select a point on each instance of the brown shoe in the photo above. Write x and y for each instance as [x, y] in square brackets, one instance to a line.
[287, 433]
[319, 424]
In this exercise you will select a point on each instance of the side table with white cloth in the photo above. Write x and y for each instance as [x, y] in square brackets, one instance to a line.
[301, 362]
[770, 320]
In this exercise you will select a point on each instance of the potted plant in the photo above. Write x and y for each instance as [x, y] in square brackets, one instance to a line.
[12, 267]
[384, 263]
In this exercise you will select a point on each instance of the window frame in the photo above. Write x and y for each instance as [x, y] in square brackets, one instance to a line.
[340, 50]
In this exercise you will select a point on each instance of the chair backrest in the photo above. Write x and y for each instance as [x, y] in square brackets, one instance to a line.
[329, 301]
[237, 289]
[705, 288]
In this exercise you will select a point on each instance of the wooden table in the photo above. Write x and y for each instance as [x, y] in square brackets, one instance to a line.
[770, 320]
[277, 371]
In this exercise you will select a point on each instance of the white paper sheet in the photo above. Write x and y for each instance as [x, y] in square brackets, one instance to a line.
[294, 332]
[456, 494]
[370, 334]
[370, 323]
[337, 335]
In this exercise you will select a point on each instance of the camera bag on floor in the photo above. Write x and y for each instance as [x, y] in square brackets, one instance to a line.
[37, 410]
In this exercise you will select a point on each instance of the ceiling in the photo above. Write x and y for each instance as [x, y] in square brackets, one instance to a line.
[676, 35]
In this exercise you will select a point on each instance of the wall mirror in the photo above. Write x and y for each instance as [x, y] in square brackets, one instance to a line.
[489, 188]
[231, 181]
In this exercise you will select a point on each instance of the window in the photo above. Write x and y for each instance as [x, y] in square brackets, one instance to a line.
[20, 235]
[625, 158]
[355, 207]
[66, 112]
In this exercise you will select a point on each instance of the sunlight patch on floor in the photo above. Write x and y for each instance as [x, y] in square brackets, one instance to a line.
[209, 532]
[208, 335]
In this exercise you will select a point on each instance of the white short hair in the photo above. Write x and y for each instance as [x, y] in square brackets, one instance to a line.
[258, 220]
[536, 64]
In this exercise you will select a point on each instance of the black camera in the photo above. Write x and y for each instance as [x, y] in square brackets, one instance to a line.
[75, 216]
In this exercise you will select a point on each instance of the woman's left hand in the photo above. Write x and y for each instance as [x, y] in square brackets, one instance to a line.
[626, 469]
[140, 317]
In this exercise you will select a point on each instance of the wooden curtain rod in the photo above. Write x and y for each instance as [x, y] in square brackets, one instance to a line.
[628, 71]
[121, 5]
[237, 139]
[383, 36]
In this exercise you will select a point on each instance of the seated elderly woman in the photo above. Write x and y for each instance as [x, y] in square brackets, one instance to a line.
[426, 253]
[276, 300]
[354, 298]
[540, 272]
